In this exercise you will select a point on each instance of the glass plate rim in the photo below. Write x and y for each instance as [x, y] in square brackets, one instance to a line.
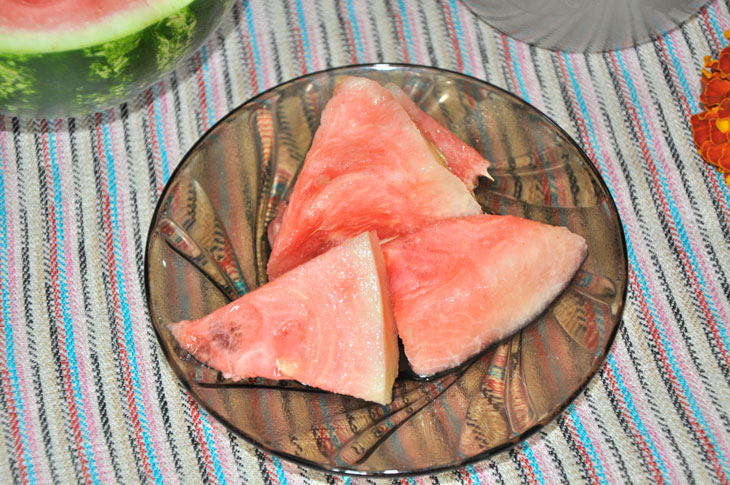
[388, 66]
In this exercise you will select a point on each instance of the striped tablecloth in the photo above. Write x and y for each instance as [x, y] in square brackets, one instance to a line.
[87, 396]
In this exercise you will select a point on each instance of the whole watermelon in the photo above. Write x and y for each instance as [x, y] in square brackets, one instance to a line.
[70, 57]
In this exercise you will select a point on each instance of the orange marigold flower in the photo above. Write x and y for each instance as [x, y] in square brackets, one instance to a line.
[711, 128]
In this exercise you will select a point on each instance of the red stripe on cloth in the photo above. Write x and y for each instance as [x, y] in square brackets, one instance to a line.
[401, 34]
[349, 34]
[526, 466]
[453, 37]
[200, 84]
[298, 42]
[118, 318]
[508, 61]
[678, 246]
[200, 435]
[587, 462]
[149, 100]
[644, 307]
[250, 61]
[58, 312]
[12, 413]
[708, 24]
[643, 446]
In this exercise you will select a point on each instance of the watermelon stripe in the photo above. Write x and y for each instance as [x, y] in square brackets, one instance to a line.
[118, 282]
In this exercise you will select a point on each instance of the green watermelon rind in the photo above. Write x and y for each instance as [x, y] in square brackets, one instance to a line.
[98, 75]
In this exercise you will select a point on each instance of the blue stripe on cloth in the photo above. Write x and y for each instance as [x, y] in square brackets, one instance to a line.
[305, 35]
[407, 30]
[8, 328]
[632, 256]
[210, 442]
[527, 450]
[631, 407]
[250, 26]
[68, 326]
[587, 444]
[473, 475]
[712, 14]
[676, 217]
[124, 304]
[359, 52]
[210, 100]
[460, 36]
[629, 245]
[279, 470]
[517, 68]
[165, 162]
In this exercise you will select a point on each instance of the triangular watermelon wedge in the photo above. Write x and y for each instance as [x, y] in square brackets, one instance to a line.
[368, 168]
[463, 161]
[462, 284]
[327, 323]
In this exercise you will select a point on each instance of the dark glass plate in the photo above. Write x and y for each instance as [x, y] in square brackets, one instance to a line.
[207, 244]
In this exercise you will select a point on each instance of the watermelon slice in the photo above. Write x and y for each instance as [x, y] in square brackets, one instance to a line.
[67, 57]
[327, 323]
[464, 161]
[460, 285]
[368, 168]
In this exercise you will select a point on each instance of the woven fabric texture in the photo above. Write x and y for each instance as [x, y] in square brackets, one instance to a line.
[86, 395]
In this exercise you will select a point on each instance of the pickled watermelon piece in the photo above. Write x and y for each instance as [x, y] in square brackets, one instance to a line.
[460, 285]
[368, 168]
[463, 161]
[327, 323]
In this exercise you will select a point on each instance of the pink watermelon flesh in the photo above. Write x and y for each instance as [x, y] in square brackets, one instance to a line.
[327, 323]
[45, 15]
[369, 168]
[460, 285]
[464, 161]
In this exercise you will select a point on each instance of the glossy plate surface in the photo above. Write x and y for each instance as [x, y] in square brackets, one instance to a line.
[207, 244]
